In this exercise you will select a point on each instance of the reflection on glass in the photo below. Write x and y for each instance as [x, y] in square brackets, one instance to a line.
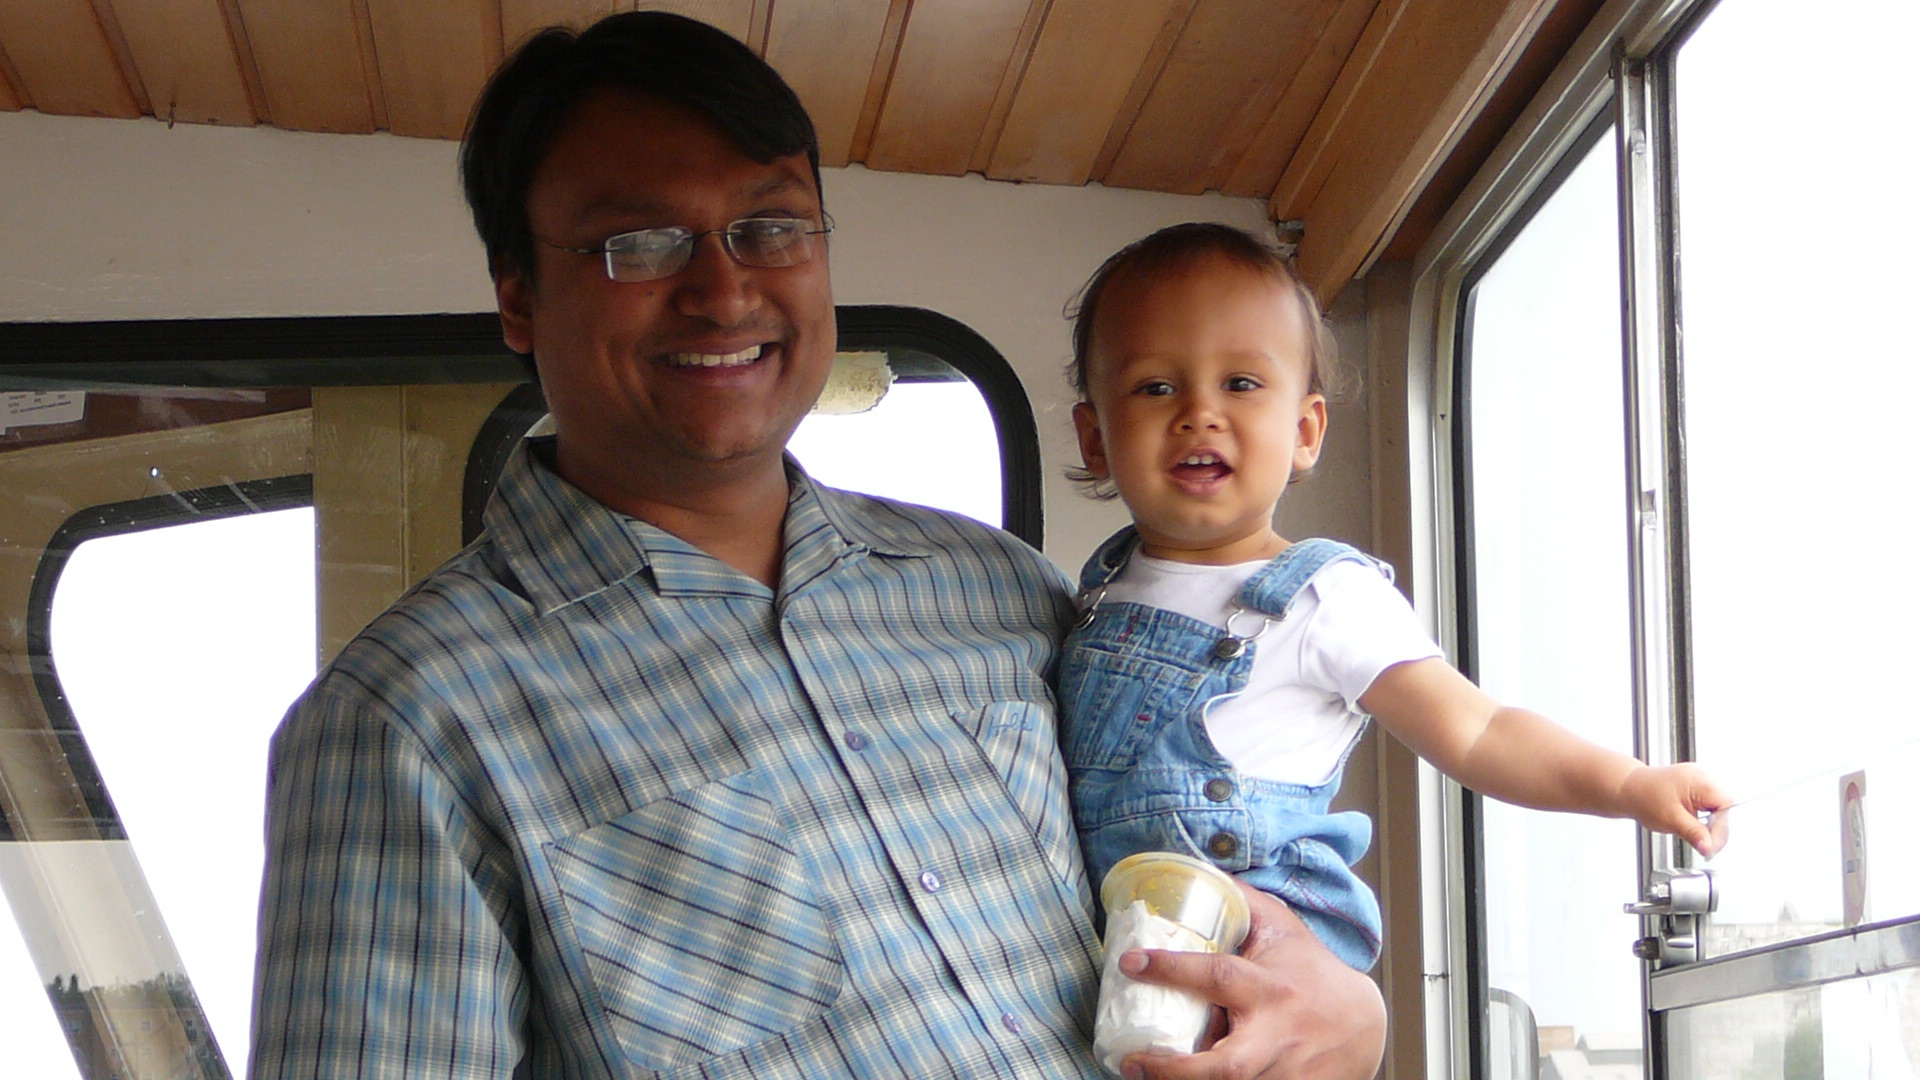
[178, 649]
[932, 443]
[1550, 595]
[35, 1030]
[1794, 204]
[1860, 1029]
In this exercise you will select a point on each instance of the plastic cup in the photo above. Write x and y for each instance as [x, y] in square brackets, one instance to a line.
[1160, 900]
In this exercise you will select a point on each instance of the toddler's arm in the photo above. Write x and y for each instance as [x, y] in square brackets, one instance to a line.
[1524, 758]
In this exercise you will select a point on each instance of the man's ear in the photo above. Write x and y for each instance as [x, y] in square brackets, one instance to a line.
[1093, 449]
[1313, 431]
[514, 295]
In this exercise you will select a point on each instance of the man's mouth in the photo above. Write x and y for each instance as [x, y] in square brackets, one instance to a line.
[734, 359]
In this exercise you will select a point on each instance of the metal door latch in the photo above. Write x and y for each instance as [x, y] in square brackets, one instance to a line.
[1677, 899]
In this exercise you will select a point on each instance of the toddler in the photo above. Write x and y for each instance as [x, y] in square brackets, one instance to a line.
[1219, 674]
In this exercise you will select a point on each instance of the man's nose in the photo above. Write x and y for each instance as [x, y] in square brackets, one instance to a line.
[713, 285]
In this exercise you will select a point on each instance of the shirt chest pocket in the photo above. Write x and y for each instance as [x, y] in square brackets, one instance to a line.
[699, 928]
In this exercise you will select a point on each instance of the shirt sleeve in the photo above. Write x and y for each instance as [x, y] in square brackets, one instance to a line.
[384, 944]
[1360, 626]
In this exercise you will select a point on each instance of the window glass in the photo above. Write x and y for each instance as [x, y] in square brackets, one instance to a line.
[1547, 481]
[178, 649]
[929, 442]
[1796, 234]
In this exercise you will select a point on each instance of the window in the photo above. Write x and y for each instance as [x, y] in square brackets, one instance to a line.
[184, 547]
[1679, 386]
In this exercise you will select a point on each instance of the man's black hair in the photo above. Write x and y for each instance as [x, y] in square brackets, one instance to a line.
[653, 53]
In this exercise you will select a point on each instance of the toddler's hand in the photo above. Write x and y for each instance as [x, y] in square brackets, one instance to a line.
[1670, 799]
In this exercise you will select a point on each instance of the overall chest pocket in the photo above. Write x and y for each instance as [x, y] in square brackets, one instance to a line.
[1116, 694]
[699, 927]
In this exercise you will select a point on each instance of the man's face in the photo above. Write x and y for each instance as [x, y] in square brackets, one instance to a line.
[657, 386]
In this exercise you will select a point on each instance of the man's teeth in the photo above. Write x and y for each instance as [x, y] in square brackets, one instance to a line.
[694, 359]
[1200, 459]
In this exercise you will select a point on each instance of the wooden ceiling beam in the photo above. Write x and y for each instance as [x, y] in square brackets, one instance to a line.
[1232, 59]
[1080, 76]
[952, 62]
[1151, 68]
[187, 58]
[814, 44]
[1421, 72]
[433, 59]
[886, 60]
[519, 19]
[13, 94]
[65, 63]
[1257, 170]
[312, 74]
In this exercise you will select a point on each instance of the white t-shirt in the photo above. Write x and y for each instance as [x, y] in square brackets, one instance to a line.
[1300, 710]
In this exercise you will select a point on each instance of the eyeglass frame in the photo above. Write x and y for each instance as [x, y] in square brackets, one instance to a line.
[726, 233]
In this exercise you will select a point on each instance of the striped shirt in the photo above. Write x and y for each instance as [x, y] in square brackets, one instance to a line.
[590, 803]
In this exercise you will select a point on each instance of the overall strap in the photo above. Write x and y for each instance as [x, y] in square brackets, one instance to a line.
[1272, 590]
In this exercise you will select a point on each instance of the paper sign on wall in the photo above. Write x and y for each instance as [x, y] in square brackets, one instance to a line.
[28, 408]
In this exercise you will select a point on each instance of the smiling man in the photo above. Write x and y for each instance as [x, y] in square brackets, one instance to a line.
[690, 766]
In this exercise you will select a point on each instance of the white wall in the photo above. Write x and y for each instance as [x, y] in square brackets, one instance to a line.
[128, 219]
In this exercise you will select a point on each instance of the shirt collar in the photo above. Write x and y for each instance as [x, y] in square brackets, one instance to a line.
[563, 546]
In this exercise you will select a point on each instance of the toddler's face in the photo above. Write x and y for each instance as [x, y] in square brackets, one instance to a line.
[1198, 406]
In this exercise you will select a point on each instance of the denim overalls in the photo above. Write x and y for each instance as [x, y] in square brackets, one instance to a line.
[1135, 684]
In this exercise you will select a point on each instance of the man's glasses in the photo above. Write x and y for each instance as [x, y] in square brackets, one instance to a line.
[651, 254]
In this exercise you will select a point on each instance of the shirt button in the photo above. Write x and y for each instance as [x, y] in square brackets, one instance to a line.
[1219, 789]
[855, 740]
[1223, 845]
[929, 881]
[1012, 1023]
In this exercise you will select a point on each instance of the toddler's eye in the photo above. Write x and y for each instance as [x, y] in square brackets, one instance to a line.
[1155, 389]
[1242, 383]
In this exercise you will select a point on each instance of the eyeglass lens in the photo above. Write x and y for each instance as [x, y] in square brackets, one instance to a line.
[649, 254]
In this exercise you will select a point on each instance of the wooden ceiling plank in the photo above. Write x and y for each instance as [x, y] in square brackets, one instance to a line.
[311, 70]
[185, 56]
[13, 94]
[1369, 166]
[64, 61]
[885, 59]
[733, 16]
[815, 44]
[1144, 81]
[243, 52]
[122, 54]
[952, 60]
[1234, 57]
[1260, 163]
[433, 60]
[521, 19]
[370, 63]
[1083, 67]
[1011, 73]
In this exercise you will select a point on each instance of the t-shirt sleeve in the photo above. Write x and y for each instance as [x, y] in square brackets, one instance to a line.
[1359, 627]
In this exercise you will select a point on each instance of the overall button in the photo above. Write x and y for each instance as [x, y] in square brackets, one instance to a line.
[930, 881]
[1223, 845]
[855, 740]
[1229, 648]
[1219, 789]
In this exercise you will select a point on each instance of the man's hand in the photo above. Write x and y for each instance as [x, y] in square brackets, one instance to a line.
[1670, 799]
[1294, 1011]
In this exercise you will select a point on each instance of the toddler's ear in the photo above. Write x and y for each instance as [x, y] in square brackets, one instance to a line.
[1313, 432]
[1093, 449]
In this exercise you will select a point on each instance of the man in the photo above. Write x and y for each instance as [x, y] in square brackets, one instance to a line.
[691, 767]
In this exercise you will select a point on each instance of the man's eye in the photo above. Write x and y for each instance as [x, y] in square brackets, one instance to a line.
[768, 234]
